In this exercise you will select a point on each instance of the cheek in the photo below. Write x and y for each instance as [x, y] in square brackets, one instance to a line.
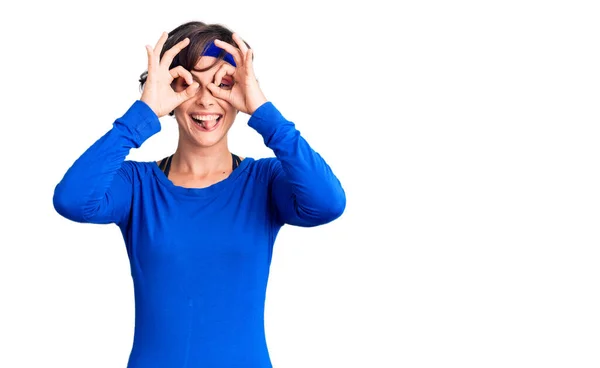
[230, 111]
[180, 112]
[184, 106]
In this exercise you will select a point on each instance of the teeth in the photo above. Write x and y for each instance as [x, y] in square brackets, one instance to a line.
[205, 117]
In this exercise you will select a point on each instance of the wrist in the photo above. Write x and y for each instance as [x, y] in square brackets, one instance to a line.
[256, 104]
[149, 103]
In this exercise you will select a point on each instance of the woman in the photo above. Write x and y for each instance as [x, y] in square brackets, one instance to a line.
[200, 225]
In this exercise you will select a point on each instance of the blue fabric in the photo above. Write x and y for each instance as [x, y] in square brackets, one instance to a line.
[214, 51]
[200, 258]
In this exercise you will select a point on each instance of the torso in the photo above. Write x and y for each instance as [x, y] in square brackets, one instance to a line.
[200, 261]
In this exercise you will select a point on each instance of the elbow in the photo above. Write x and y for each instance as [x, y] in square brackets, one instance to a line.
[330, 208]
[67, 205]
[334, 207]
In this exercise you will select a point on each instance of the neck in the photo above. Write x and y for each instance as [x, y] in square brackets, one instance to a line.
[201, 161]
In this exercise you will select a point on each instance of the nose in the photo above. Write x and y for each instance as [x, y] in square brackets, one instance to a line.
[204, 97]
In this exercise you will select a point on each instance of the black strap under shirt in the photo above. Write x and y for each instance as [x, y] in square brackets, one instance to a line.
[165, 164]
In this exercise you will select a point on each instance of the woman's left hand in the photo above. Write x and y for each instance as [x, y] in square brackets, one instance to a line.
[242, 92]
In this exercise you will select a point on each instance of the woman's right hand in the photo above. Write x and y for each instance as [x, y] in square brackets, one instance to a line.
[158, 92]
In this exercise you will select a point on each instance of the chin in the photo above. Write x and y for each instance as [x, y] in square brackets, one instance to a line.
[208, 142]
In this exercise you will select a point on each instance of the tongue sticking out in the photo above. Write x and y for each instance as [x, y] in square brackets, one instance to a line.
[209, 124]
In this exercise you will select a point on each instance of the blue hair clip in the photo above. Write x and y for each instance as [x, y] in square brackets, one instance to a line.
[214, 51]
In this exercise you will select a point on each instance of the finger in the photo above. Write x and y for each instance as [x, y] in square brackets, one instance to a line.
[189, 92]
[150, 54]
[224, 69]
[170, 54]
[160, 43]
[241, 44]
[180, 71]
[248, 63]
[219, 93]
[235, 52]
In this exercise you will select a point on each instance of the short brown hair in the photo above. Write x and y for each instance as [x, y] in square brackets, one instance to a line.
[200, 35]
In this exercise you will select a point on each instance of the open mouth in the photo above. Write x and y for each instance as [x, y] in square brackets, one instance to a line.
[206, 122]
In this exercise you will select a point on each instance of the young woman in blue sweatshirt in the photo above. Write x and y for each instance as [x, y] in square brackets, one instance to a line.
[199, 225]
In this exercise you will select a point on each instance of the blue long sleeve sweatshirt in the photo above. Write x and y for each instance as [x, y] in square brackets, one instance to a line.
[200, 257]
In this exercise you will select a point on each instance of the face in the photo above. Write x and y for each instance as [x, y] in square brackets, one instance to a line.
[203, 119]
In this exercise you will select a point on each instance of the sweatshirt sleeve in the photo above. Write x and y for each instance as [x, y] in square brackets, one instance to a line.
[98, 188]
[304, 190]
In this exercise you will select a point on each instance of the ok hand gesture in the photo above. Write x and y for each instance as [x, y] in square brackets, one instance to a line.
[245, 95]
[158, 93]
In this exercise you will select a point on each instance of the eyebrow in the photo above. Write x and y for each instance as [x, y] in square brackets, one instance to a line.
[226, 78]
[195, 78]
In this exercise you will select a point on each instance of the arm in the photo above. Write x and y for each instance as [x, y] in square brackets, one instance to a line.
[304, 190]
[97, 188]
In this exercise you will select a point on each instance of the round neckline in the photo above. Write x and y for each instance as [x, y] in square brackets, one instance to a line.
[200, 192]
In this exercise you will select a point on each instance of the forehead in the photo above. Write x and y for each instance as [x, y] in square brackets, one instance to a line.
[204, 62]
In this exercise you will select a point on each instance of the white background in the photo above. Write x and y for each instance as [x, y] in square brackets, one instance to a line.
[465, 134]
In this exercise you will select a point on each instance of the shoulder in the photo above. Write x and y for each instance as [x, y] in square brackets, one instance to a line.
[262, 168]
[136, 171]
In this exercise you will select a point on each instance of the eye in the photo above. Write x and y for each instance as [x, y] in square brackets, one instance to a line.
[226, 83]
